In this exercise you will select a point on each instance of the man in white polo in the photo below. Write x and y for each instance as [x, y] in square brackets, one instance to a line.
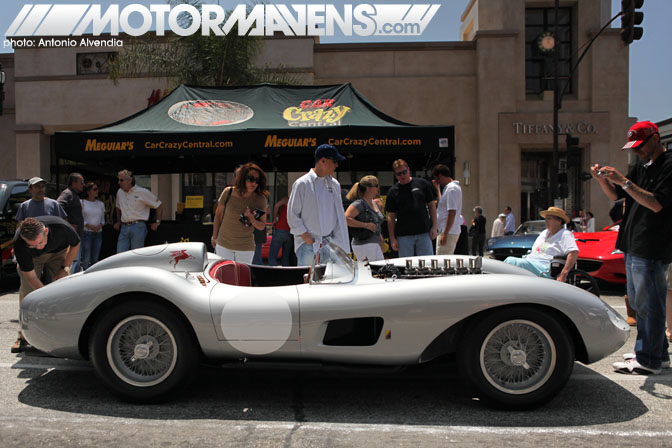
[133, 204]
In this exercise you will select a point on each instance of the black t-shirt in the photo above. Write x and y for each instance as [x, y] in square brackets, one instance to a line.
[72, 205]
[644, 233]
[409, 202]
[479, 225]
[61, 235]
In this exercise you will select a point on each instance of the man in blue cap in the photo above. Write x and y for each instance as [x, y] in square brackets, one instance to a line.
[315, 210]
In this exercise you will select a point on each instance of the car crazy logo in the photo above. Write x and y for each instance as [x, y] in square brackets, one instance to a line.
[317, 112]
[260, 20]
[210, 112]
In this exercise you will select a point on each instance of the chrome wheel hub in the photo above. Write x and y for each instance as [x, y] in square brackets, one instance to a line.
[517, 357]
[142, 351]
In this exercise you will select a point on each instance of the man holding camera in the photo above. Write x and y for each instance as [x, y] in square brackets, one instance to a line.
[646, 240]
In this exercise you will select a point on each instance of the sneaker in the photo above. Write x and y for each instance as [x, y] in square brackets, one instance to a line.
[19, 346]
[664, 364]
[632, 366]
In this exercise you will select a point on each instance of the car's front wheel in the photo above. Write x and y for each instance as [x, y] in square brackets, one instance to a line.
[517, 358]
[143, 351]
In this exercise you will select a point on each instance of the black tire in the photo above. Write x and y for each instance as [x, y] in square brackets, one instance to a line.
[516, 358]
[583, 280]
[143, 351]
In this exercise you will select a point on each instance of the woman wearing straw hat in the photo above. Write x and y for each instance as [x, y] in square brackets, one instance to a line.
[555, 241]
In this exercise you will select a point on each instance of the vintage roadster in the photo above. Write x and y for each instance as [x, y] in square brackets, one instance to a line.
[147, 318]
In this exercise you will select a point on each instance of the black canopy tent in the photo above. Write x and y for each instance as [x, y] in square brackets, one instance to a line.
[209, 129]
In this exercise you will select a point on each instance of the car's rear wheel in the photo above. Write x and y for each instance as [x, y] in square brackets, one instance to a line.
[517, 358]
[143, 351]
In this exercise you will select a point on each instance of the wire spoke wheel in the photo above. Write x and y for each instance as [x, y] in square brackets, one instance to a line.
[141, 350]
[517, 357]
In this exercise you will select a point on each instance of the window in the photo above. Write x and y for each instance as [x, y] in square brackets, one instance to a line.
[540, 24]
[94, 63]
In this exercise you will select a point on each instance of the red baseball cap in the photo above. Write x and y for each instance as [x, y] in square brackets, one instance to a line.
[639, 132]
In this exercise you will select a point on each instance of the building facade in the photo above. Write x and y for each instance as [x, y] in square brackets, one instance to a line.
[495, 87]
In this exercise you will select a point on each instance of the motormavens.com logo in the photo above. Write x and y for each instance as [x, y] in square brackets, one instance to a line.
[259, 20]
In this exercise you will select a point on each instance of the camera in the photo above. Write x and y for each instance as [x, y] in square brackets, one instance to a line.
[601, 173]
[258, 213]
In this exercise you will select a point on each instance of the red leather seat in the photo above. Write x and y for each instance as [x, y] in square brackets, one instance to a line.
[231, 273]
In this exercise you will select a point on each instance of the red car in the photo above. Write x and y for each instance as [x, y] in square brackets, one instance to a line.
[598, 255]
[265, 248]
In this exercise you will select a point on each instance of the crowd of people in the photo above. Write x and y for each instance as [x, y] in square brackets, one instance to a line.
[423, 217]
[57, 237]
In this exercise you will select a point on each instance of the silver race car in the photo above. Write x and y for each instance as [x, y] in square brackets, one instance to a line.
[147, 318]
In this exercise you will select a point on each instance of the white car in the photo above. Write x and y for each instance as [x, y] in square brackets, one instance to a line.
[146, 318]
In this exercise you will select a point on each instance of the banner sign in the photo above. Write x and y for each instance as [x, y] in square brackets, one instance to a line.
[265, 121]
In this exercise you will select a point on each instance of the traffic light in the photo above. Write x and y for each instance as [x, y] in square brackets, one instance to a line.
[629, 18]
[563, 186]
[573, 151]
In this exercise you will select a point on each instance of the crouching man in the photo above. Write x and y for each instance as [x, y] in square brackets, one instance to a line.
[45, 242]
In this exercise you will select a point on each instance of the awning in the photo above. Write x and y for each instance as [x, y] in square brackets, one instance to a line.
[200, 129]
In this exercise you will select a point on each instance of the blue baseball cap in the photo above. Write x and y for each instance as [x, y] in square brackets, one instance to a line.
[328, 151]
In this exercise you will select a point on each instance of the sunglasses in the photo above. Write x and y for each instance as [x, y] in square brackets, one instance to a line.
[401, 173]
[252, 179]
[646, 140]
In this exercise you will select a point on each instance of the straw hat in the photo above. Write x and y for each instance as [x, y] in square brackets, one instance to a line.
[555, 211]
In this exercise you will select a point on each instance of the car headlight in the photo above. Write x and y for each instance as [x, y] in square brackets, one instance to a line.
[617, 320]
[616, 252]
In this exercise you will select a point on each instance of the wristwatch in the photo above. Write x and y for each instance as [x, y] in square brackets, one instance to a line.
[627, 184]
[66, 269]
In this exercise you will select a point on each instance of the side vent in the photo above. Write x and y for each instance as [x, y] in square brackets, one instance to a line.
[358, 331]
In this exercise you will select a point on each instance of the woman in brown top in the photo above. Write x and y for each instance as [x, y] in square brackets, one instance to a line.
[235, 218]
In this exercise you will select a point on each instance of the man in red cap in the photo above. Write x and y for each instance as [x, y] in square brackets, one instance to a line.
[646, 240]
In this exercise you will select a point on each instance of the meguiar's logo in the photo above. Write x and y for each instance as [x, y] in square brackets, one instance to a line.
[93, 144]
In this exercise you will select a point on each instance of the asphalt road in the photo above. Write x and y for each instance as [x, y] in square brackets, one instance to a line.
[52, 402]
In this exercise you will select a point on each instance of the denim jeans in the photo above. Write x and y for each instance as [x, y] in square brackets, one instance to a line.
[256, 258]
[537, 267]
[646, 293]
[419, 244]
[305, 255]
[131, 237]
[76, 263]
[90, 248]
[281, 239]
